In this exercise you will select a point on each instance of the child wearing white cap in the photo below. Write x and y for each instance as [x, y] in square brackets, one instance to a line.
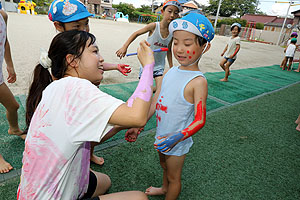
[232, 48]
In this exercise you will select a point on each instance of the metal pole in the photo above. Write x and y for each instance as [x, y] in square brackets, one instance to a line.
[216, 20]
[152, 6]
[284, 22]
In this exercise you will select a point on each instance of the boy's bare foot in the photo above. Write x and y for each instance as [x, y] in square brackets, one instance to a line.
[154, 191]
[97, 160]
[298, 127]
[17, 132]
[298, 120]
[296, 70]
[4, 166]
[224, 79]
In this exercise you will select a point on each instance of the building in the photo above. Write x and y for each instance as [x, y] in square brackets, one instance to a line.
[99, 7]
[271, 23]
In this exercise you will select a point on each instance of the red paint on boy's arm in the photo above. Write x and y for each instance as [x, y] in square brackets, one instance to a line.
[198, 123]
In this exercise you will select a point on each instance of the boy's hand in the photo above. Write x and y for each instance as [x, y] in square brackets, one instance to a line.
[124, 69]
[12, 77]
[121, 52]
[145, 54]
[222, 54]
[132, 134]
[168, 141]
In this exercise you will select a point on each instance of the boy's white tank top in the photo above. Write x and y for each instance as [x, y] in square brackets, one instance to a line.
[2, 44]
[157, 41]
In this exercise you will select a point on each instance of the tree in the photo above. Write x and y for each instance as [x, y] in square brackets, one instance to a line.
[42, 2]
[229, 7]
[125, 8]
[144, 9]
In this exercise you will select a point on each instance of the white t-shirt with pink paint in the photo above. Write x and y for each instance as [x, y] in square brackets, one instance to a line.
[72, 112]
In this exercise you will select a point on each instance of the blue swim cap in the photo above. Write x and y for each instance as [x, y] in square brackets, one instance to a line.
[236, 24]
[194, 23]
[67, 11]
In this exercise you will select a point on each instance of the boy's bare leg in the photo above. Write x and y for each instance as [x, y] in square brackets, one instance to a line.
[4, 166]
[227, 72]
[222, 63]
[298, 70]
[290, 64]
[160, 190]
[95, 159]
[174, 166]
[284, 63]
[9, 102]
[129, 195]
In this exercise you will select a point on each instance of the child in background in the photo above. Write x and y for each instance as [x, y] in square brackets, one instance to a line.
[71, 113]
[6, 97]
[289, 54]
[232, 48]
[181, 105]
[293, 35]
[158, 37]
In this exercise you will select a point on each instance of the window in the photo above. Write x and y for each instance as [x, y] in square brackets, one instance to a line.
[106, 1]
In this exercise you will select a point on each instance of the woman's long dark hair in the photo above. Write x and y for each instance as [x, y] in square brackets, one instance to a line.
[69, 42]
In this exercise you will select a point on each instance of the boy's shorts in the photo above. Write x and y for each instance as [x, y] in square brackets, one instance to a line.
[289, 57]
[231, 60]
[156, 73]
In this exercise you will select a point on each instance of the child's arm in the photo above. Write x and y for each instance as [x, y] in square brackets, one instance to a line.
[7, 56]
[124, 69]
[199, 86]
[222, 54]
[236, 51]
[122, 51]
[169, 54]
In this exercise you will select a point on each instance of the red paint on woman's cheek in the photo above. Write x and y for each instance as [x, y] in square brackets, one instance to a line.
[190, 57]
[194, 52]
[188, 52]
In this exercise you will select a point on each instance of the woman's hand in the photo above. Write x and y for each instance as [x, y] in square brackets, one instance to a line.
[145, 54]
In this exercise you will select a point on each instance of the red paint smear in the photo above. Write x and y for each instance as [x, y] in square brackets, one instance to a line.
[194, 52]
[198, 123]
[161, 107]
[190, 57]
[188, 51]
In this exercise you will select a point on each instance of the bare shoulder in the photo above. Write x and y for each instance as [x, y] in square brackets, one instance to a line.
[151, 26]
[199, 82]
[4, 15]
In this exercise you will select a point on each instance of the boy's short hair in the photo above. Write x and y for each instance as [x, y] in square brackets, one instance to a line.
[236, 25]
[194, 23]
[172, 3]
[294, 40]
[67, 11]
[294, 34]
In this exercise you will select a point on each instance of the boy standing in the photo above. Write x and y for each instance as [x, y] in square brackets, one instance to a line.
[289, 54]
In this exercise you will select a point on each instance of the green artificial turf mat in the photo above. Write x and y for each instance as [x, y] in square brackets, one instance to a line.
[247, 151]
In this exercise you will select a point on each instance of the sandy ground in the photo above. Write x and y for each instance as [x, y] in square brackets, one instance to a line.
[27, 34]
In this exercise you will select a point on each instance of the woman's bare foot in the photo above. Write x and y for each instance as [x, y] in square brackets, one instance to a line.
[224, 79]
[4, 166]
[155, 191]
[296, 70]
[17, 132]
[97, 160]
[298, 127]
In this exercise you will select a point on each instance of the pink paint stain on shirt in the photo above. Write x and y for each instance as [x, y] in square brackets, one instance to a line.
[143, 90]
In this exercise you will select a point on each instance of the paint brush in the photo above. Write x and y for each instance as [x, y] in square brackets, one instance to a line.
[156, 50]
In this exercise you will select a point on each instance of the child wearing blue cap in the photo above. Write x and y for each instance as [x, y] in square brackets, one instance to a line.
[232, 48]
[289, 55]
[181, 105]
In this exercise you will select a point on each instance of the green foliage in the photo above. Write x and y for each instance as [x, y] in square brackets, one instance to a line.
[146, 19]
[229, 7]
[259, 26]
[125, 8]
[230, 21]
[42, 2]
[145, 9]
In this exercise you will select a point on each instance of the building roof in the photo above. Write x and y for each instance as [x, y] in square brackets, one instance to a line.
[267, 19]
[190, 4]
